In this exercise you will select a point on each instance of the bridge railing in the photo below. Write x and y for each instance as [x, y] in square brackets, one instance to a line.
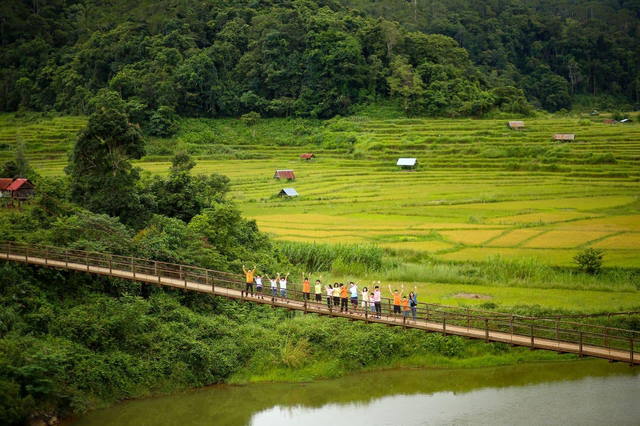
[476, 323]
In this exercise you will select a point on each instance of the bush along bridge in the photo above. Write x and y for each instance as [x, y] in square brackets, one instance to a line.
[614, 344]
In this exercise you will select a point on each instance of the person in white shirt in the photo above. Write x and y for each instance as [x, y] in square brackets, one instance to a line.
[329, 290]
[283, 286]
[274, 285]
[259, 286]
[353, 293]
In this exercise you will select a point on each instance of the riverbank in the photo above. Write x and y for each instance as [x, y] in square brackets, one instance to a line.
[494, 395]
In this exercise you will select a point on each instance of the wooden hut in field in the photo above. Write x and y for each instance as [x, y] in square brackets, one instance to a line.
[288, 192]
[564, 137]
[407, 163]
[21, 189]
[284, 174]
[516, 125]
[307, 157]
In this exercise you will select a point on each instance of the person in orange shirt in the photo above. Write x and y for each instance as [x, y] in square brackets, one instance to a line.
[249, 275]
[405, 306]
[397, 300]
[306, 287]
[344, 298]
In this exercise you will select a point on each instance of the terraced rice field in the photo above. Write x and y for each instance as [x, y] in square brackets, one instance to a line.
[480, 188]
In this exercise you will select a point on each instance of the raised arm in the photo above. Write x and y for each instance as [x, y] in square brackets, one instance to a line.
[244, 270]
[267, 275]
[401, 289]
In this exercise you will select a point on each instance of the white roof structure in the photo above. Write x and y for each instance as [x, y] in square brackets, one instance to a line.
[407, 162]
[289, 192]
[624, 120]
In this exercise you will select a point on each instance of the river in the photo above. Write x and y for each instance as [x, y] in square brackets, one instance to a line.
[591, 392]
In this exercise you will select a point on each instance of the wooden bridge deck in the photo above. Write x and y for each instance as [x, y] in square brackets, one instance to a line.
[503, 329]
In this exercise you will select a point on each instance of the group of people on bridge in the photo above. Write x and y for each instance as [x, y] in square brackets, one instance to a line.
[348, 297]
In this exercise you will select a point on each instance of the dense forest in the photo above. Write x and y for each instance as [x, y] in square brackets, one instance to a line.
[557, 51]
[308, 58]
[316, 58]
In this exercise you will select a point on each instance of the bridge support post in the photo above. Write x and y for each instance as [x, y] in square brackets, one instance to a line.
[468, 319]
[46, 256]
[66, 260]
[366, 313]
[631, 352]
[305, 306]
[511, 328]
[444, 323]
[580, 350]
[86, 260]
[133, 268]
[606, 336]
[427, 307]
[404, 321]
[26, 257]
[486, 330]
[110, 269]
[532, 341]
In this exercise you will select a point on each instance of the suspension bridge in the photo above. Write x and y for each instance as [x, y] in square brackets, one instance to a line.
[613, 344]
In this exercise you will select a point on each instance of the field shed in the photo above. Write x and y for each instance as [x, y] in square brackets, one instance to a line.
[564, 137]
[307, 156]
[594, 113]
[284, 174]
[610, 121]
[288, 192]
[516, 125]
[21, 189]
[625, 120]
[407, 162]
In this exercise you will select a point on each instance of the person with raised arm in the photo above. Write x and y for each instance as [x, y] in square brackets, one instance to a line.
[274, 285]
[353, 292]
[249, 275]
[283, 286]
[397, 300]
[413, 302]
[365, 299]
[306, 287]
[336, 295]
[377, 299]
[329, 289]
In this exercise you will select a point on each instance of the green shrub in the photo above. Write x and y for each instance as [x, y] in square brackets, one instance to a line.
[589, 260]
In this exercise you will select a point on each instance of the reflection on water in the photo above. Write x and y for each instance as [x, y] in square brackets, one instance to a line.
[586, 393]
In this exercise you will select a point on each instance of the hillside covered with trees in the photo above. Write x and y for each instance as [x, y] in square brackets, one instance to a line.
[188, 58]
[558, 51]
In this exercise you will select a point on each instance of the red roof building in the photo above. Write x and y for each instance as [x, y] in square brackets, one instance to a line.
[284, 174]
[4, 183]
[307, 156]
[21, 189]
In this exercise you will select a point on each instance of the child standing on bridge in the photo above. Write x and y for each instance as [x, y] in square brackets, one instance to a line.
[249, 275]
[365, 298]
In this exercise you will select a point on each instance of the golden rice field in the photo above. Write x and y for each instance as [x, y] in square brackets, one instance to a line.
[480, 189]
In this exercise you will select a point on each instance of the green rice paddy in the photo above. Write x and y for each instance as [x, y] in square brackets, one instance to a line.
[480, 188]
